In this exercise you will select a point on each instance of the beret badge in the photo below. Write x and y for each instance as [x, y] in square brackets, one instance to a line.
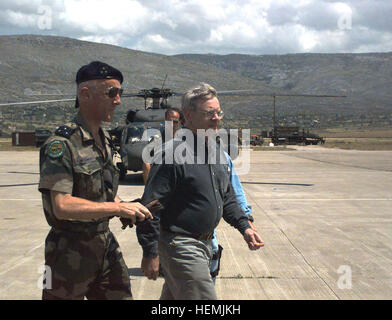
[103, 71]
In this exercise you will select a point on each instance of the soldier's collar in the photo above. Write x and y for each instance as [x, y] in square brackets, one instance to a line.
[86, 135]
[106, 134]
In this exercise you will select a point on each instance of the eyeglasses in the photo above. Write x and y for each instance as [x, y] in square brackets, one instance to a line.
[112, 92]
[210, 114]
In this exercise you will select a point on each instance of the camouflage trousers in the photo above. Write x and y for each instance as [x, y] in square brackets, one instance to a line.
[83, 265]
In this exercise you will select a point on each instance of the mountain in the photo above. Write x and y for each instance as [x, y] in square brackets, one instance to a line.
[31, 64]
[47, 64]
[364, 78]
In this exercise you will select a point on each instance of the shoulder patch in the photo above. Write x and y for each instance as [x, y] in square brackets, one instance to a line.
[56, 149]
[64, 131]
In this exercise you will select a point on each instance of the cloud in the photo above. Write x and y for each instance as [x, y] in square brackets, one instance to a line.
[214, 26]
[375, 15]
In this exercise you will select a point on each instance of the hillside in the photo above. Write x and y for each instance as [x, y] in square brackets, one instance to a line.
[31, 64]
[365, 78]
[46, 64]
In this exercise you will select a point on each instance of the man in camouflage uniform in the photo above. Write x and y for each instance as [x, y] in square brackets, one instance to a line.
[79, 182]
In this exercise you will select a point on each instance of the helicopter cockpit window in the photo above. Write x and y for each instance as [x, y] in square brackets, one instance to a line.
[135, 132]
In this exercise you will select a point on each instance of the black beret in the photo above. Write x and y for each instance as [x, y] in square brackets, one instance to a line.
[98, 70]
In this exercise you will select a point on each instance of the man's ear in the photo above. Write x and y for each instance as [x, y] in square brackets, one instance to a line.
[84, 93]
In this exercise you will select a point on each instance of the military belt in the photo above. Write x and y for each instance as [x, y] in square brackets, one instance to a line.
[88, 228]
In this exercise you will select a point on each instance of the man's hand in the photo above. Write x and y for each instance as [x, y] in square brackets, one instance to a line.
[134, 211]
[150, 267]
[252, 226]
[253, 239]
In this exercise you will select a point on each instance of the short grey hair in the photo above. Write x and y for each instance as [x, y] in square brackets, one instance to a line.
[200, 93]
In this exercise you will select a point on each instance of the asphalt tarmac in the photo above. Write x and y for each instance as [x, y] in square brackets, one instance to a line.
[324, 215]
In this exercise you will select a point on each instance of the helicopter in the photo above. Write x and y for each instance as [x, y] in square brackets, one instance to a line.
[129, 139]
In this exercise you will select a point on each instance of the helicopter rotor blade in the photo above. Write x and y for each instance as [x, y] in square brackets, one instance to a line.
[152, 93]
[34, 102]
[129, 95]
[49, 94]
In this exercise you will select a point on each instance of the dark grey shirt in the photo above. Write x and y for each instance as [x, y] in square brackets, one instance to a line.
[194, 196]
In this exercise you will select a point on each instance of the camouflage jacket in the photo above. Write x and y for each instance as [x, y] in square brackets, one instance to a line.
[70, 162]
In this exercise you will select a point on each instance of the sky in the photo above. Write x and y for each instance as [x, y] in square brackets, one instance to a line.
[210, 26]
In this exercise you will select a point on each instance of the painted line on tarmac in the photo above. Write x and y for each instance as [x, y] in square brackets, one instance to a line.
[22, 260]
[23, 199]
[13, 264]
[339, 163]
[17, 185]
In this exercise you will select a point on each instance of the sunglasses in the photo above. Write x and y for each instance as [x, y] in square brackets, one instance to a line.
[210, 114]
[112, 92]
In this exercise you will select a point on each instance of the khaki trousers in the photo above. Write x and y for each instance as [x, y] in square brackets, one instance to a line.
[185, 263]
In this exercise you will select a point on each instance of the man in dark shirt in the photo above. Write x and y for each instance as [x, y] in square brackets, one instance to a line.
[195, 193]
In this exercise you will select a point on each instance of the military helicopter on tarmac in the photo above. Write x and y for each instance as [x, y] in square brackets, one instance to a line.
[129, 140]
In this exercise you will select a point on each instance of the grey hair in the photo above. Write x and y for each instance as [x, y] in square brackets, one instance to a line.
[200, 93]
